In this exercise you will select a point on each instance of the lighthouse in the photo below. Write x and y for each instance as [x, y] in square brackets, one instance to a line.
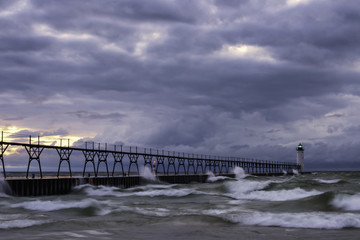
[300, 157]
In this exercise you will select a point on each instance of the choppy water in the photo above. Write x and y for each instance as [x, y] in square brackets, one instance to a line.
[319, 205]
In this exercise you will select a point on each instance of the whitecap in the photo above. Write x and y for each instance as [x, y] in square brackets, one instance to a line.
[327, 181]
[166, 192]
[148, 174]
[20, 223]
[73, 235]
[95, 232]
[241, 187]
[254, 190]
[239, 173]
[216, 178]
[316, 220]
[347, 202]
[46, 206]
[102, 191]
[213, 178]
[150, 186]
[158, 212]
[279, 195]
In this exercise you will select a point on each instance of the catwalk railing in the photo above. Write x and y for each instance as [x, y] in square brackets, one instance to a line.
[161, 162]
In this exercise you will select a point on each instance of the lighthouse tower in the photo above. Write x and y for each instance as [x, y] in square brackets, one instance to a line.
[300, 157]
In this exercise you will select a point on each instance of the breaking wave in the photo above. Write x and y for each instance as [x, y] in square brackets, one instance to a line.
[54, 205]
[317, 220]
[213, 178]
[146, 191]
[327, 181]
[19, 223]
[347, 202]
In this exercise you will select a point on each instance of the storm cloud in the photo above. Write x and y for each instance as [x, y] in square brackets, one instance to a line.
[237, 78]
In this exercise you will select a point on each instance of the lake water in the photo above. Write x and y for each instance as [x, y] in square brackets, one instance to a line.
[322, 205]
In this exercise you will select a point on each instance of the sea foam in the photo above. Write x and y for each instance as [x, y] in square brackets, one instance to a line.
[213, 178]
[280, 195]
[347, 202]
[327, 181]
[254, 190]
[20, 223]
[239, 173]
[147, 173]
[46, 206]
[317, 220]
[147, 192]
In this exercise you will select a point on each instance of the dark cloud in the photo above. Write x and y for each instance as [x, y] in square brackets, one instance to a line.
[244, 78]
[94, 116]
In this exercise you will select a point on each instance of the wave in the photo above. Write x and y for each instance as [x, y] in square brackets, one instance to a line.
[148, 174]
[280, 195]
[315, 220]
[328, 181]
[241, 187]
[20, 223]
[239, 173]
[147, 192]
[347, 202]
[266, 190]
[8, 221]
[54, 205]
[213, 178]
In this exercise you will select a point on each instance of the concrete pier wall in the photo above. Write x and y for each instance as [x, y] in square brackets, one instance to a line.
[57, 186]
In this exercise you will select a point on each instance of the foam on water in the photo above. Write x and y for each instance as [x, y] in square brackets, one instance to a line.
[148, 192]
[280, 195]
[148, 174]
[239, 173]
[213, 178]
[317, 220]
[151, 186]
[20, 223]
[54, 205]
[165, 193]
[244, 189]
[327, 181]
[8, 221]
[241, 187]
[347, 202]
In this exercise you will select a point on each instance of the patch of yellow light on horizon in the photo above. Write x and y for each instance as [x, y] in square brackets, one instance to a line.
[10, 130]
[54, 140]
[246, 51]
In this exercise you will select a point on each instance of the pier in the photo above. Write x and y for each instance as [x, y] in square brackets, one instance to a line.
[167, 166]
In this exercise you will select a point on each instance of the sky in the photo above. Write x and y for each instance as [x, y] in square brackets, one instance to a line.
[244, 78]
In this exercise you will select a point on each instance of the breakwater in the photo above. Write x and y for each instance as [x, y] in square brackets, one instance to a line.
[57, 186]
[167, 166]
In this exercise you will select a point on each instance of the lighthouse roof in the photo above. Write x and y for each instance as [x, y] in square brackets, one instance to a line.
[300, 147]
